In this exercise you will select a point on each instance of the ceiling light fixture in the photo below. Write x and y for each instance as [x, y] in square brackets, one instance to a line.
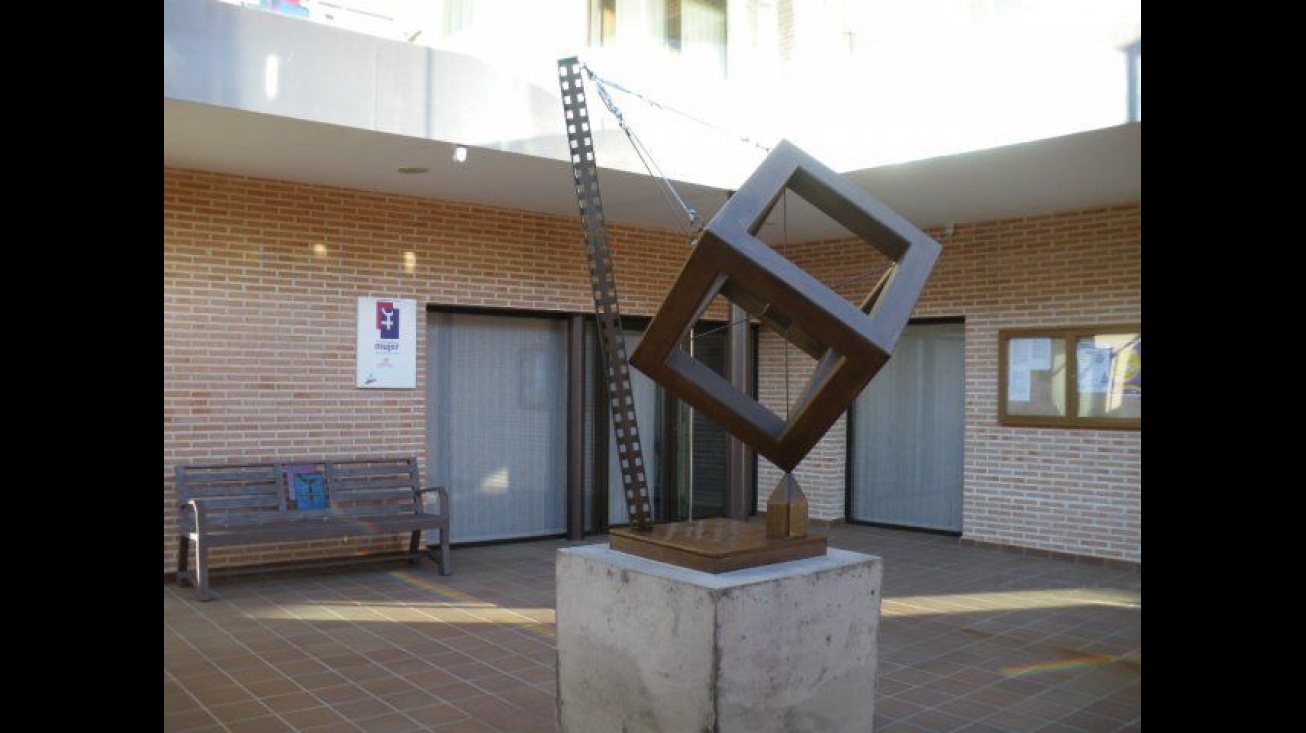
[459, 154]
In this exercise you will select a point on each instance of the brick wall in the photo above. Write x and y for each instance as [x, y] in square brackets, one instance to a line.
[260, 282]
[1071, 491]
[261, 277]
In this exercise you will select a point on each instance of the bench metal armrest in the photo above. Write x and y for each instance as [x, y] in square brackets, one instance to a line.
[444, 498]
[196, 507]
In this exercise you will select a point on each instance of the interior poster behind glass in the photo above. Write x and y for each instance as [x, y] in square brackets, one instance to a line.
[387, 343]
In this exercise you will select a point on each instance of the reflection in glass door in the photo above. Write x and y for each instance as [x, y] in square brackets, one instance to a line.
[684, 451]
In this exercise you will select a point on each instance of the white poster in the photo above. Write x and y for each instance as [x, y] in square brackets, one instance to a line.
[1094, 368]
[387, 343]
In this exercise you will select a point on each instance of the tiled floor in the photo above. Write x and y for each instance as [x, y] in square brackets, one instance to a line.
[972, 640]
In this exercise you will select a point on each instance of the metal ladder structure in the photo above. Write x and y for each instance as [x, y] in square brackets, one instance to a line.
[616, 368]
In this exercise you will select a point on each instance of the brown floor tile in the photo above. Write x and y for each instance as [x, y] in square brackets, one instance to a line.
[513, 663]
[894, 708]
[537, 675]
[1014, 722]
[270, 688]
[341, 727]
[357, 710]
[179, 703]
[267, 724]
[387, 685]
[238, 711]
[456, 691]
[1089, 722]
[430, 679]
[259, 673]
[392, 723]
[291, 702]
[311, 717]
[187, 721]
[320, 680]
[968, 709]
[437, 715]
[900, 727]
[406, 667]
[466, 726]
[939, 721]
[409, 699]
[500, 683]
[340, 694]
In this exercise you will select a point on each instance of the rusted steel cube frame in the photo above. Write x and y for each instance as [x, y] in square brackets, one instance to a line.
[851, 344]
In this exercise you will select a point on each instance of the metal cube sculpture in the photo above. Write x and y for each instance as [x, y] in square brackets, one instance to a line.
[849, 344]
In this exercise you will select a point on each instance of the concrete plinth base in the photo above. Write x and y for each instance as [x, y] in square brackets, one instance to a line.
[647, 646]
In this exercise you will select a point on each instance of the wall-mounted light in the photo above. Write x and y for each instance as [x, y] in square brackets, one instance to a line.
[459, 154]
[410, 261]
[320, 249]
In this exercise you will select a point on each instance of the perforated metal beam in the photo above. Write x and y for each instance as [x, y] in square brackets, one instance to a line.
[612, 344]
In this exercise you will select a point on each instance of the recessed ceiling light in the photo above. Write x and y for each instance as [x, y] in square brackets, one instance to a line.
[459, 154]
[413, 169]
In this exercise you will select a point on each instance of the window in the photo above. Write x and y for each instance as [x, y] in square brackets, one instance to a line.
[1071, 377]
[694, 29]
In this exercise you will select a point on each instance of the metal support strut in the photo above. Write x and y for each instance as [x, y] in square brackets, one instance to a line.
[621, 397]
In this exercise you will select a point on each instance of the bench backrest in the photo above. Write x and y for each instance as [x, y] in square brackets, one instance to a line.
[373, 486]
[254, 492]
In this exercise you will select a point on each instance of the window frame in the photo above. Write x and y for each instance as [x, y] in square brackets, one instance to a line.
[1069, 336]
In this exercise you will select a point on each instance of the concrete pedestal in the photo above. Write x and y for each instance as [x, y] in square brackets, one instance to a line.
[647, 646]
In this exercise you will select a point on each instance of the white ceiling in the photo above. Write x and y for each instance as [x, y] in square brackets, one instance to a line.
[1075, 171]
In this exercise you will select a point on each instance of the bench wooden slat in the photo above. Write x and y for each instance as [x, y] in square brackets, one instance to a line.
[355, 497]
[237, 518]
[375, 483]
[200, 474]
[388, 510]
[351, 469]
[363, 481]
[226, 504]
[221, 491]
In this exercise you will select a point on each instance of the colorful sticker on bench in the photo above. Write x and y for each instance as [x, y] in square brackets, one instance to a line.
[305, 488]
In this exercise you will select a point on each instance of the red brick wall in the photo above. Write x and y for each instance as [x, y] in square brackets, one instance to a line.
[259, 327]
[1073, 491]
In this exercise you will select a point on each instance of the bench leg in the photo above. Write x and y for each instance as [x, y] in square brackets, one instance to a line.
[446, 566]
[415, 547]
[183, 561]
[202, 569]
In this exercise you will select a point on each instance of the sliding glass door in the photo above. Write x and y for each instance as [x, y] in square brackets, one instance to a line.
[497, 422]
[907, 432]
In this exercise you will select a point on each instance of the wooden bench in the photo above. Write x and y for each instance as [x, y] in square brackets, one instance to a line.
[283, 501]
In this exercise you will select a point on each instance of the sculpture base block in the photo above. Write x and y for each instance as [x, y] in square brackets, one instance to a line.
[715, 545]
[647, 647]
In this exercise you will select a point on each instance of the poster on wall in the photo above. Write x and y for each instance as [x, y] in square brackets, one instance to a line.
[387, 343]
[1094, 368]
